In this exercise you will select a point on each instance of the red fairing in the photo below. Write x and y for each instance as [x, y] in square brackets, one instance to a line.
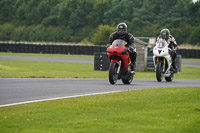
[115, 54]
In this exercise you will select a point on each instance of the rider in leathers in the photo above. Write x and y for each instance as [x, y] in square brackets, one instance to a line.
[122, 33]
[165, 34]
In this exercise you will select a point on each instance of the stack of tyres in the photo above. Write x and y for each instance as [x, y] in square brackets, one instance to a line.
[101, 61]
[91, 50]
[2, 47]
[65, 49]
[14, 48]
[197, 53]
[178, 63]
[56, 49]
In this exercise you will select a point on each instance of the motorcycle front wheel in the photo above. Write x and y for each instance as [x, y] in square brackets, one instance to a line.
[113, 72]
[159, 72]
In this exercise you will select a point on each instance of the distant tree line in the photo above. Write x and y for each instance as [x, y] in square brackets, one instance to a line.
[87, 20]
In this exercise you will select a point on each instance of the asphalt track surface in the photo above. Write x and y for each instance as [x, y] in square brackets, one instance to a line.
[15, 91]
[26, 90]
[75, 60]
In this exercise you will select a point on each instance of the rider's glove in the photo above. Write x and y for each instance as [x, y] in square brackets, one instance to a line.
[173, 50]
[131, 49]
[125, 50]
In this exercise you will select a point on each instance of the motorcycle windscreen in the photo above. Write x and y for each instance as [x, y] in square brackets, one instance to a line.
[118, 42]
[162, 43]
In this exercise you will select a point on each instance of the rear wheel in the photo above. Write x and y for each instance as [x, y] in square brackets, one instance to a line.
[170, 78]
[113, 72]
[159, 72]
[129, 79]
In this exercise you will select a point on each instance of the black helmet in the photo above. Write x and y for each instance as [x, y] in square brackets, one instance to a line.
[121, 28]
[165, 33]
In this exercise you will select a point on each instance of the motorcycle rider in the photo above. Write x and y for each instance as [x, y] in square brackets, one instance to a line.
[165, 34]
[122, 33]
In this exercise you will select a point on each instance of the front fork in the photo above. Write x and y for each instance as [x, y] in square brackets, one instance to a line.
[118, 63]
[157, 59]
[119, 67]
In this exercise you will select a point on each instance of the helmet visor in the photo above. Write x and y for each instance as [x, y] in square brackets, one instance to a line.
[165, 36]
[121, 31]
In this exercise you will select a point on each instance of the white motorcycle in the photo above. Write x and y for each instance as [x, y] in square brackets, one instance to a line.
[163, 61]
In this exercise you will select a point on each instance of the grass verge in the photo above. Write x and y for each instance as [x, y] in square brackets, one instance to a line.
[190, 59]
[38, 69]
[162, 110]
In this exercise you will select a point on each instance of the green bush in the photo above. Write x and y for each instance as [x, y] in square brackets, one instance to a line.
[18, 34]
[102, 34]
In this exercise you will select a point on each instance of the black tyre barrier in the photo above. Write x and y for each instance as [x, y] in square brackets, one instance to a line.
[189, 53]
[75, 49]
[56, 49]
[84, 50]
[197, 53]
[96, 49]
[44, 49]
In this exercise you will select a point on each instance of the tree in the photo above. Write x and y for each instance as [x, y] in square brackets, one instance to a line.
[102, 34]
[6, 10]
[6, 31]
[195, 36]
[121, 10]
[75, 20]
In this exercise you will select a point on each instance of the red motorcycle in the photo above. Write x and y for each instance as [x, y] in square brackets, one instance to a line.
[120, 62]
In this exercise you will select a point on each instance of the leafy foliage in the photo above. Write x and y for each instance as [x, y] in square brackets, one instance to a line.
[101, 35]
[75, 20]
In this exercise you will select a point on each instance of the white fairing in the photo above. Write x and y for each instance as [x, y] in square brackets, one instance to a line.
[162, 50]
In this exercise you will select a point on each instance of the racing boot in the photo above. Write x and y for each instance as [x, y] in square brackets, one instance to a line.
[174, 66]
[133, 66]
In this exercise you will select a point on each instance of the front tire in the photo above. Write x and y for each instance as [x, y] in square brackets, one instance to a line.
[113, 72]
[159, 72]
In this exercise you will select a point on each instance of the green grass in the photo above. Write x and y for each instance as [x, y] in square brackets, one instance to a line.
[190, 59]
[48, 69]
[31, 69]
[162, 110]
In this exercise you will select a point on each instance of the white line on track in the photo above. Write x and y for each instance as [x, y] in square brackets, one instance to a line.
[56, 98]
